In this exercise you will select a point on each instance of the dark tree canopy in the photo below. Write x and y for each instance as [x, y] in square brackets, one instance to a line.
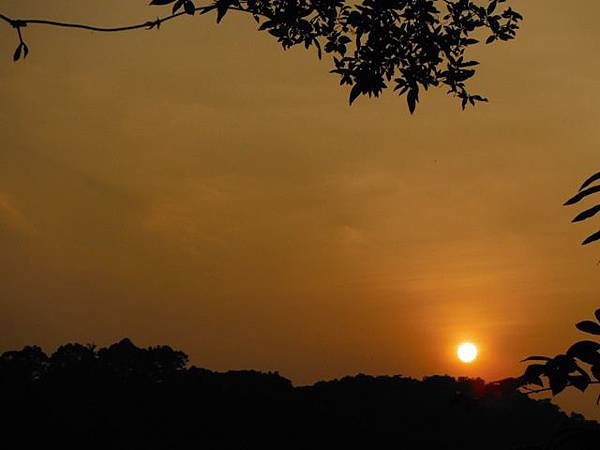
[406, 45]
[127, 397]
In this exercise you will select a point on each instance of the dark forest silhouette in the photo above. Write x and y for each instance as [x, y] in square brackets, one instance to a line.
[375, 44]
[126, 397]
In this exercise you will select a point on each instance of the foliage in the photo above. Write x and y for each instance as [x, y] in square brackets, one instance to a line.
[587, 189]
[410, 45]
[578, 367]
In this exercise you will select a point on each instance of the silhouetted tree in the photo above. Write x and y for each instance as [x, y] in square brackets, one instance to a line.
[409, 45]
[127, 397]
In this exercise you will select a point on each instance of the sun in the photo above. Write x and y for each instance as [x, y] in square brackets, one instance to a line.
[467, 352]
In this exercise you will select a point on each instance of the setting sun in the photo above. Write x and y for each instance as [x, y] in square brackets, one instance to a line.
[467, 352]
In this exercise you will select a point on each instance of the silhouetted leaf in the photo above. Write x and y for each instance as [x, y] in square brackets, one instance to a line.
[590, 180]
[593, 238]
[587, 213]
[412, 98]
[161, 2]
[17, 54]
[222, 8]
[558, 383]
[587, 326]
[177, 6]
[581, 195]
[597, 314]
[354, 93]
[189, 8]
[580, 382]
[464, 102]
[596, 371]
[586, 351]
[536, 358]
[532, 374]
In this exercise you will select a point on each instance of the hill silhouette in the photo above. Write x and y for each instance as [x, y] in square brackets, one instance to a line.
[126, 397]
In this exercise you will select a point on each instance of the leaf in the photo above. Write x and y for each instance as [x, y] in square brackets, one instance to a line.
[580, 382]
[492, 7]
[267, 24]
[558, 383]
[221, 11]
[536, 358]
[490, 39]
[590, 180]
[586, 346]
[25, 50]
[594, 237]
[161, 2]
[319, 50]
[587, 326]
[581, 195]
[586, 351]
[596, 371]
[412, 98]
[222, 8]
[17, 54]
[597, 314]
[532, 374]
[177, 5]
[354, 93]
[189, 8]
[587, 214]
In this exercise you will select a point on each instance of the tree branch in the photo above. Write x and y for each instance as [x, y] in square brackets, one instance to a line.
[23, 50]
[19, 23]
[539, 391]
[149, 24]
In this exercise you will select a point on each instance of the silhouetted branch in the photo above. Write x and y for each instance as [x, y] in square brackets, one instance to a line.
[406, 46]
[23, 50]
[20, 23]
[542, 390]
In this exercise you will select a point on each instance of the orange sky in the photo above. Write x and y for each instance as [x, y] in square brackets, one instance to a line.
[200, 187]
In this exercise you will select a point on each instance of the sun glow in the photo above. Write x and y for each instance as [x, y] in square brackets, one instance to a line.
[467, 352]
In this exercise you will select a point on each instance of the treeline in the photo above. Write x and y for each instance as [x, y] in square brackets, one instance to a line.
[126, 397]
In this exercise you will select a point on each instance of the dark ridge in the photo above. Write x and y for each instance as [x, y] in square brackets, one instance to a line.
[126, 397]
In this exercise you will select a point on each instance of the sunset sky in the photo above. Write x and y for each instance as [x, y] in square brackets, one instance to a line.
[202, 188]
